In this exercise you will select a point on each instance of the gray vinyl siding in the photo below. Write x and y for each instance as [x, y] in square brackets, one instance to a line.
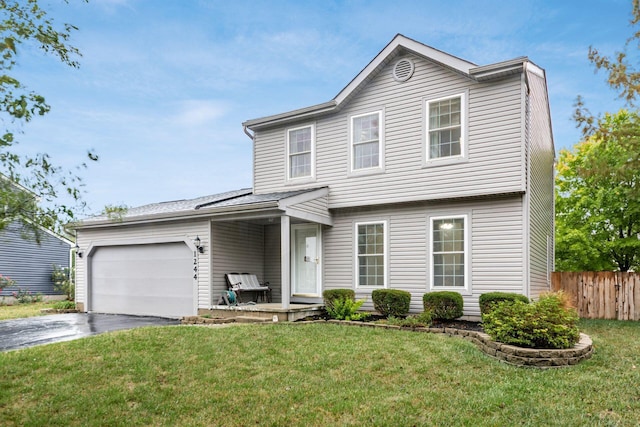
[317, 206]
[494, 163]
[496, 248]
[28, 263]
[272, 257]
[540, 191]
[236, 247]
[135, 234]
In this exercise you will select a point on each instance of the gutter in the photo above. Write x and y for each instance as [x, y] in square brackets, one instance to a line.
[174, 216]
[246, 132]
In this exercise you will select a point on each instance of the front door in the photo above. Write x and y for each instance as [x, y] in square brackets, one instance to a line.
[305, 260]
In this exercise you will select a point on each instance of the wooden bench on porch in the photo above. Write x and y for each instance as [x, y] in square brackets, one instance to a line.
[246, 282]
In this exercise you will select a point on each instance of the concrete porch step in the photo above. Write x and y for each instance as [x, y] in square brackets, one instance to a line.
[251, 319]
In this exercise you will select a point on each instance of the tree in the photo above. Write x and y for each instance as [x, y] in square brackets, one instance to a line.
[597, 194]
[33, 187]
[597, 203]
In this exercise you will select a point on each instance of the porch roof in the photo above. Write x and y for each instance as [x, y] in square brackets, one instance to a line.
[308, 204]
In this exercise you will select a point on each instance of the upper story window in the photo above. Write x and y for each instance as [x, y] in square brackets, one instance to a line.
[300, 152]
[446, 127]
[366, 141]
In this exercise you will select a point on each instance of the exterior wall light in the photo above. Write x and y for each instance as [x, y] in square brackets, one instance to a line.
[198, 244]
[78, 251]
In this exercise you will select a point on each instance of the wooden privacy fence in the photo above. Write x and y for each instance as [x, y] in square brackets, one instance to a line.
[602, 294]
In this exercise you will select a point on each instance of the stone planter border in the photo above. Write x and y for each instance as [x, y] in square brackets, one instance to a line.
[199, 320]
[517, 356]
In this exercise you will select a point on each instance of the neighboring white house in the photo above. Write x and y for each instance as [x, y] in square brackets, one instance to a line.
[425, 173]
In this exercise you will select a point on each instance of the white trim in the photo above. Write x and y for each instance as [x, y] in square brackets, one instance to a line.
[300, 179]
[318, 230]
[466, 289]
[464, 130]
[381, 143]
[285, 261]
[421, 49]
[94, 245]
[356, 261]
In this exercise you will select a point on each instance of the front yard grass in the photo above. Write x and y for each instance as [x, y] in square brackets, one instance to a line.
[17, 311]
[313, 375]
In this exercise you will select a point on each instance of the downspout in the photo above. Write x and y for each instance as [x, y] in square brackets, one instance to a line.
[246, 132]
[527, 177]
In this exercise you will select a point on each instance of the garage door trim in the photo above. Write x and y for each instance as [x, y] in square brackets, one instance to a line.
[93, 246]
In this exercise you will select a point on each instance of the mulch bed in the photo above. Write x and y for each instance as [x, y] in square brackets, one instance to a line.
[454, 324]
[459, 324]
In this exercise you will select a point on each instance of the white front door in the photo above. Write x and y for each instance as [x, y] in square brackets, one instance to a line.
[305, 259]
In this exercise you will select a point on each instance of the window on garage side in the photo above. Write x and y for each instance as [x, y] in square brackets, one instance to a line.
[371, 253]
[449, 252]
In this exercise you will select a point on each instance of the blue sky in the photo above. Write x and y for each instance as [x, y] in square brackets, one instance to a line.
[164, 85]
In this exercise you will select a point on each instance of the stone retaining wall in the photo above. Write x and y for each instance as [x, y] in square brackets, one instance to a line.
[518, 356]
[199, 320]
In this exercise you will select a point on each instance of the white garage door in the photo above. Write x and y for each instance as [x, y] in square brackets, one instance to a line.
[150, 280]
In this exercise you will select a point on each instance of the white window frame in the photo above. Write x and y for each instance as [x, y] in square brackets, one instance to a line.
[385, 254]
[381, 144]
[464, 131]
[307, 178]
[467, 258]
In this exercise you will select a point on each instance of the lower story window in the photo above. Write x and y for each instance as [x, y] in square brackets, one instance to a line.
[449, 252]
[371, 253]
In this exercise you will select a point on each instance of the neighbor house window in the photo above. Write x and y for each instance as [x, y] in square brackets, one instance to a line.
[371, 253]
[449, 252]
[445, 127]
[300, 143]
[366, 141]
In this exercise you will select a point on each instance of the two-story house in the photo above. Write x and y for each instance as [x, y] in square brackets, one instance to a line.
[426, 172]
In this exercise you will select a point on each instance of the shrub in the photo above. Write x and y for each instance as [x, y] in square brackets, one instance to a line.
[345, 309]
[444, 305]
[24, 296]
[546, 323]
[6, 282]
[422, 320]
[330, 295]
[62, 278]
[391, 302]
[490, 299]
[64, 305]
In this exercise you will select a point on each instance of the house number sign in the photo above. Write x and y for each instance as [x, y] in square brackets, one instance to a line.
[195, 265]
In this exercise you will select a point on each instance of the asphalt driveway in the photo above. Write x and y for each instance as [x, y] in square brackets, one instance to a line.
[32, 331]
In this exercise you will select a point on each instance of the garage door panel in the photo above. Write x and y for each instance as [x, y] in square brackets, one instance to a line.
[152, 280]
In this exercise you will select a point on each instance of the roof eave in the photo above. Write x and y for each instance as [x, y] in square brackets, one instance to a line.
[299, 114]
[399, 42]
[499, 69]
[179, 216]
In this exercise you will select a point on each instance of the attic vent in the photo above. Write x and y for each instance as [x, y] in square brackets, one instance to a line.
[403, 70]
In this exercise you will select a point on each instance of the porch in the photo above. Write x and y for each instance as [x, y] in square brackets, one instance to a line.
[278, 238]
[273, 311]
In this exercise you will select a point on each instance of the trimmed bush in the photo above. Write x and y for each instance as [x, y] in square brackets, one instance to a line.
[391, 302]
[331, 295]
[546, 323]
[443, 305]
[490, 299]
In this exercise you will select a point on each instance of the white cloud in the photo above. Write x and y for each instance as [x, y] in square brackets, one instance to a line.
[198, 113]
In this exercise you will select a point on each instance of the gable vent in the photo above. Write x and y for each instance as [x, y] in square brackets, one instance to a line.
[403, 70]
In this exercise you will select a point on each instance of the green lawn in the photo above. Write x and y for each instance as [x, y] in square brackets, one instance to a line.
[18, 311]
[312, 375]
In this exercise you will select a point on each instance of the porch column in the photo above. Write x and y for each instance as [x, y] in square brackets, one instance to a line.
[285, 260]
